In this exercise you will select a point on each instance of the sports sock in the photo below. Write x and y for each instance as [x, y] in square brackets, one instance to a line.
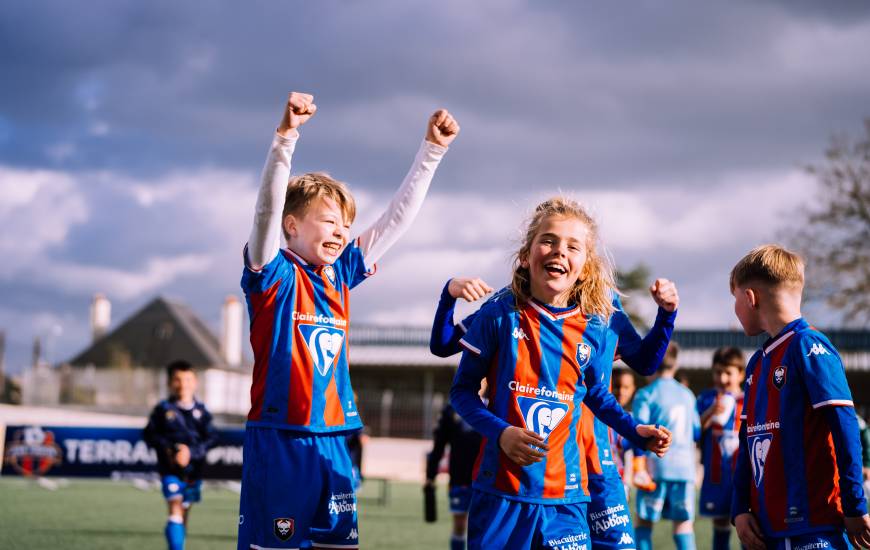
[175, 532]
[721, 539]
[457, 543]
[684, 541]
[644, 537]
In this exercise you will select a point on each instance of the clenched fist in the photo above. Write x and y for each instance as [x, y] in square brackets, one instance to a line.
[442, 129]
[664, 292]
[300, 107]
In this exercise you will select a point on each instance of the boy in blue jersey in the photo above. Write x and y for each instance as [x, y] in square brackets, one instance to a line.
[181, 432]
[720, 409]
[797, 482]
[297, 476]
[668, 403]
[544, 346]
[610, 521]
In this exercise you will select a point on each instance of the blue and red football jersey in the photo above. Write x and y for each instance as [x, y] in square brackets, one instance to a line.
[788, 458]
[299, 320]
[538, 363]
[719, 443]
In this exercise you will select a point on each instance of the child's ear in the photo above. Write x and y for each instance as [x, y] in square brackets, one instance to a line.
[290, 225]
[751, 297]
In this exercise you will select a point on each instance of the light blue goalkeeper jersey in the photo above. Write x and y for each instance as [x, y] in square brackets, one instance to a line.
[668, 403]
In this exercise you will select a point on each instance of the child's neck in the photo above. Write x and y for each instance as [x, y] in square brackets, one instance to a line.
[561, 300]
[774, 320]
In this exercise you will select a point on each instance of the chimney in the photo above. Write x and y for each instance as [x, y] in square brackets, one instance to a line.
[232, 317]
[101, 316]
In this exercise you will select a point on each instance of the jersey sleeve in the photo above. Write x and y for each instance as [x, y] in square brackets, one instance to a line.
[279, 269]
[640, 407]
[444, 338]
[643, 355]
[823, 371]
[351, 265]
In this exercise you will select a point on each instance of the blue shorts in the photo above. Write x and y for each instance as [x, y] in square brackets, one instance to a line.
[673, 500]
[715, 499]
[296, 490]
[175, 489]
[833, 540]
[609, 515]
[460, 499]
[496, 522]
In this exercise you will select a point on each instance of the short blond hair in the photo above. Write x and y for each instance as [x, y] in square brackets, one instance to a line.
[305, 189]
[594, 290]
[768, 264]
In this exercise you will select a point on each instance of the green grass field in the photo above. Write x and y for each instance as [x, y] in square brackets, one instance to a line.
[96, 515]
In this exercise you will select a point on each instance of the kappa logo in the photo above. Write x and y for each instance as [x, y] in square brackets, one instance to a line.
[818, 349]
[759, 447]
[519, 334]
[779, 377]
[353, 534]
[584, 353]
[541, 416]
[626, 539]
[324, 345]
[284, 528]
[749, 380]
[330, 273]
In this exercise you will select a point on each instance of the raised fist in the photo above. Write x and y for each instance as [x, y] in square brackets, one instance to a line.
[442, 129]
[300, 107]
[664, 292]
[468, 288]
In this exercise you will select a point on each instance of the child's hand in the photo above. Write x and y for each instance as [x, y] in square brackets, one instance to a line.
[660, 438]
[858, 530]
[640, 477]
[749, 532]
[664, 292]
[182, 455]
[517, 445]
[299, 108]
[468, 289]
[442, 129]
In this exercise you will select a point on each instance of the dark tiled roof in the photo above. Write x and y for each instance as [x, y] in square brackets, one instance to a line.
[160, 332]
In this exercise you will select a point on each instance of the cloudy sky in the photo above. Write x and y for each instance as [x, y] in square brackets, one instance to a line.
[132, 135]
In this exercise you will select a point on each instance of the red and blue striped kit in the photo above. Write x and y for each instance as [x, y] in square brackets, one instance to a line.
[793, 477]
[537, 361]
[299, 329]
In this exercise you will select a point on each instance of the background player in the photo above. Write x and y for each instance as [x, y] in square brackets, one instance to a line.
[668, 403]
[297, 487]
[181, 432]
[541, 346]
[720, 409]
[798, 476]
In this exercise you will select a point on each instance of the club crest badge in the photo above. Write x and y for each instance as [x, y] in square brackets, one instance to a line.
[584, 353]
[33, 451]
[779, 377]
[284, 528]
[324, 345]
[541, 416]
[759, 447]
[329, 271]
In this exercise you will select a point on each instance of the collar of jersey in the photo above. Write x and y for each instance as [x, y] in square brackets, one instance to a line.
[784, 334]
[555, 316]
[302, 262]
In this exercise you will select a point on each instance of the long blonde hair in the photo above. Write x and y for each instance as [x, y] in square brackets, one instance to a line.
[594, 289]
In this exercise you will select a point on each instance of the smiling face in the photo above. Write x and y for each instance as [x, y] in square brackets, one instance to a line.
[182, 385]
[556, 258]
[320, 233]
[727, 377]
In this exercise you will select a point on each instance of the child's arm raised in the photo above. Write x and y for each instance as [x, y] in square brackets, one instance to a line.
[644, 355]
[265, 238]
[444, 339]
[441, 130]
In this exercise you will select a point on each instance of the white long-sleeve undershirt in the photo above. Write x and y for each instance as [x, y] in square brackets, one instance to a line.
[265, 238]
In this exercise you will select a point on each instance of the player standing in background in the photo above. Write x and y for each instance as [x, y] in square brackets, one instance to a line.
[609, 517]
[668, 403]
[181, 432]
[720, 409]
[541, 347]
[297, 487]
[797, 482]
